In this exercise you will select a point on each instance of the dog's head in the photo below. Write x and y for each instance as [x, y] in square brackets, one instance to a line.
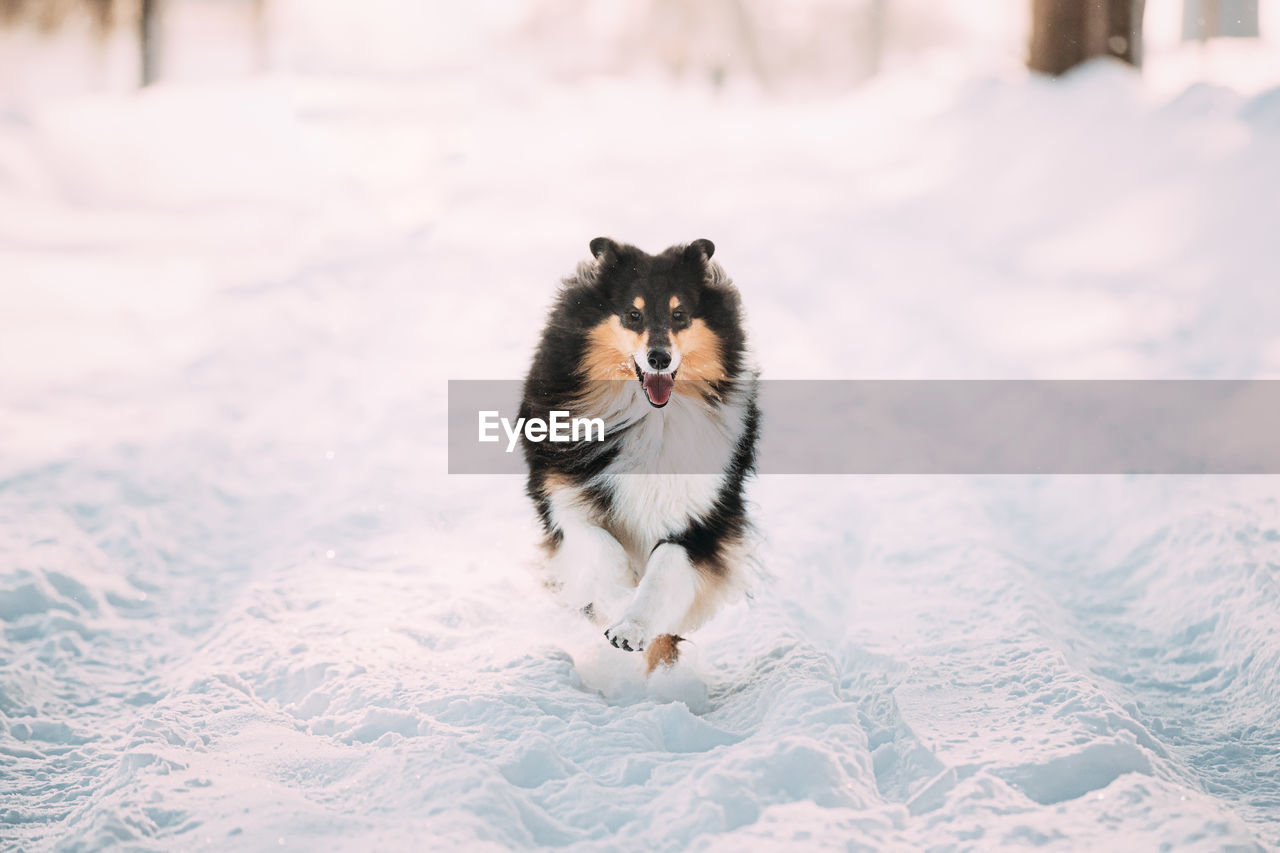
[670, 321]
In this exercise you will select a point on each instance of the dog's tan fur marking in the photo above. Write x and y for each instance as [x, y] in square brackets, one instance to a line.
[552, 481]
[662, 651]
[608, 360]
[675, 300]
[639, 303]
[609, 351]
[700, 363]
[549, 485]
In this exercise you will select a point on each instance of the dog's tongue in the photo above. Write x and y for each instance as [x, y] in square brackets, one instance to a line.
[658, 386]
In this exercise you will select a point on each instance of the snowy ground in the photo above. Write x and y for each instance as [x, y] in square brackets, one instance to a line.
[244, 608]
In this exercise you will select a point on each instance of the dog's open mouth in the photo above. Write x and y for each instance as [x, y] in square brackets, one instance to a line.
[657, 386]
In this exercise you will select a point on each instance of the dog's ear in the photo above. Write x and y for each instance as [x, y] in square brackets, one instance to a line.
[604, 249]
[700, 251]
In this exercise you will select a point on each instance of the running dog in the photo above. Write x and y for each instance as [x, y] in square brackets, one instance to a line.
[646, 530]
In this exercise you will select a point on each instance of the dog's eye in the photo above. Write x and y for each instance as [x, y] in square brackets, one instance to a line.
[634, 317]
[678, 316]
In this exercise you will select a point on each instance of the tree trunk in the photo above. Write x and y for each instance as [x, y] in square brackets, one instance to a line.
[261, 38]
[1065, 33]
[1057, 35]
[1207, 19]
[149, 40]
[877, 23]
[1119, 37]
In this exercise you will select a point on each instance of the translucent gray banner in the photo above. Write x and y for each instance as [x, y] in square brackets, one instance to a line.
[944, 427]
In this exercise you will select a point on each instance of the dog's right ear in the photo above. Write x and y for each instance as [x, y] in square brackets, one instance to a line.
[604, 249]
[700, 251]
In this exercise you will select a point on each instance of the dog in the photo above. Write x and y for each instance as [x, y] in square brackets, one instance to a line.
[646, 531]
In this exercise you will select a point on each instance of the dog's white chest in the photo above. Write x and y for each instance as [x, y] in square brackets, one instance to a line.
[653, 507]
[669, 472]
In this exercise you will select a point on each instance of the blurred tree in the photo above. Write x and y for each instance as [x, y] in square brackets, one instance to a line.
[261, 38]
[49, 14]
[1065, 33]
[1206, 19]
[149, 40]
[877, 25]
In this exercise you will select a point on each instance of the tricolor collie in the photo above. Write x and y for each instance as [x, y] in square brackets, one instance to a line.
[645, 530]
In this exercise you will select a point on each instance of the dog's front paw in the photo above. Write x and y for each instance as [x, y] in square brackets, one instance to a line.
[628, 635]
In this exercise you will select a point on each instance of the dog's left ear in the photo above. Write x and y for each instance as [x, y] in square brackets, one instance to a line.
[700, 251]
[604, 249]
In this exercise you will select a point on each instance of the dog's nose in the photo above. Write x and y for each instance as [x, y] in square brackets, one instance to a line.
[659, 359]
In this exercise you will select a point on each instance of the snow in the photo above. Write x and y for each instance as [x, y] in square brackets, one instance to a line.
[244, 607]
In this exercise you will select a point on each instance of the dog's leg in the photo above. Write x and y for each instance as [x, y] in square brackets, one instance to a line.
[661, 601]
[590, 566]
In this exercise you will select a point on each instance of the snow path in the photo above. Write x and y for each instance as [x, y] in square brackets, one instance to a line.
[244, 608]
